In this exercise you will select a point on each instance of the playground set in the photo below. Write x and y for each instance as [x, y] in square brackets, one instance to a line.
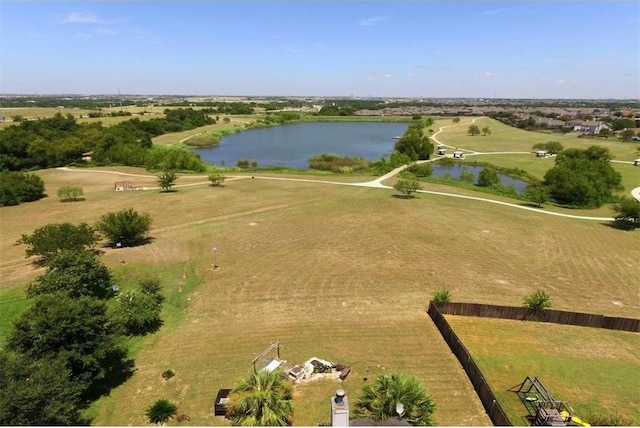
[544, 410]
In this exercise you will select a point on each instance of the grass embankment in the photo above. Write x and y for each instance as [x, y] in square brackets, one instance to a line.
[595, 370]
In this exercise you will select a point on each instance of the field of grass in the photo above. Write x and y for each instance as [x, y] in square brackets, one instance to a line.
[338, 272]
[341, 273]
[595, 370]
[236, 123]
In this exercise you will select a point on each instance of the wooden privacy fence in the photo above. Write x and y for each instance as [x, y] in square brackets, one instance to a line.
[488, 400]
[546, 315]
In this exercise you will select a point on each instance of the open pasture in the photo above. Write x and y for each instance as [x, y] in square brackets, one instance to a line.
[338, 272]
[595, 370]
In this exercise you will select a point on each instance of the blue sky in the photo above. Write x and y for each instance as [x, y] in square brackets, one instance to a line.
[506, 49]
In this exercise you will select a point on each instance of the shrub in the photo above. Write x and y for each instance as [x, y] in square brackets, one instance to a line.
[467, 176]
[126, 227]
[488, 177]
[70, 193]
[217, 180]
[539, 300]
[168, 374]
[421, 170]
[442, 296]
[407, 187]
[161, 411]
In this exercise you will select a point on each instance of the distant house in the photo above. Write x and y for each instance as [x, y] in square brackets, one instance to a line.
[588, 128]
[548, 122]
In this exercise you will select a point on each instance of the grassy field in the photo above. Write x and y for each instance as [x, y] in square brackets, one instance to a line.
[507, 138]
[236, 123]
[577, 364]
[338, 272]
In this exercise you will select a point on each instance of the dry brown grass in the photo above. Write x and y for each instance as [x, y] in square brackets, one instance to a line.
[342, 273]
[577, 364]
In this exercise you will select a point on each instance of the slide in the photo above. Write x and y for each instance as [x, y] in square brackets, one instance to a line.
[574, 419]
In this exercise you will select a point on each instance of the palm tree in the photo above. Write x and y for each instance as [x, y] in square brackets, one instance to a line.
[262, 399]
[396, 395]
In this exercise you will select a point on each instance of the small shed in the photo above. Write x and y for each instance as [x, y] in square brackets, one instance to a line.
[458, 154]
[87, 156]
[541, 153]
[636, 162]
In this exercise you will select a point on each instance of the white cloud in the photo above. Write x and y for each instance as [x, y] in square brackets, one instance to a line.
[388, 75]
[488, 74]
[411, 74]
[89, 18]
[370, 78]
[560, 82]
[372, 21]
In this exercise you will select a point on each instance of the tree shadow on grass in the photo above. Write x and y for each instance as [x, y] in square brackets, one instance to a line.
[627, 226]
[404, 197]
[118, 369]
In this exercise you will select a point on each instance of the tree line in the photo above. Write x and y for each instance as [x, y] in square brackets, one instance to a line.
[60, 140]
[68, 348]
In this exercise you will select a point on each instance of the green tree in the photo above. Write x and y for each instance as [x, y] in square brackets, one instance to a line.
[397, 159]
[583, 177]
[628, 212]
[261, 399]
[486, 131]
[538, 300]
[47, 241]
[407, 187]
[70, 193]
[161, 411]
[18, 187]
[75, 329]
[627, 134]
[605, 132]
[126, 227]
[554, 147]
[217, 180]
[473, 130]
[76, 274]
[467, 176]
[421, 169]
[456, 120]
[166, 180]
[396, 395]
[488, 177]
[138, 312]
[37, 392]
[537, 194]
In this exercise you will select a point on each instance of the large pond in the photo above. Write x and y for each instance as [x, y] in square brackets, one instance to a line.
[292, 145]
[454, 171]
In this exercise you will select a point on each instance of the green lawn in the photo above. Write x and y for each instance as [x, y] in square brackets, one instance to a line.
[12, 303]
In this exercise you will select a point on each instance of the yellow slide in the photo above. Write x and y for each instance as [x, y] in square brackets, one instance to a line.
[574, 419]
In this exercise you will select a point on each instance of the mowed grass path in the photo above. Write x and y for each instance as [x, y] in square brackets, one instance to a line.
[596, 371]
[341, 273]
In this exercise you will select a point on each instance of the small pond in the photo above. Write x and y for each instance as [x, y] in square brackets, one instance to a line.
[454, 171]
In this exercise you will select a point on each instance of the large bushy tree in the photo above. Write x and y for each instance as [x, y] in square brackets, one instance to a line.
[76, 274]
[261, 399]
[628, 212]
[126, 227]
[37, 392]
[396, 395]
[17, 187]
[77, 330]
[47, 241]
[583, 178]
